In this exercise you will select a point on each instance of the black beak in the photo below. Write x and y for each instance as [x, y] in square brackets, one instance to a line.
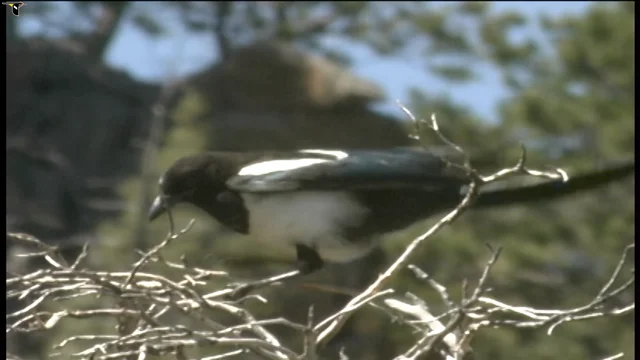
[160, 205]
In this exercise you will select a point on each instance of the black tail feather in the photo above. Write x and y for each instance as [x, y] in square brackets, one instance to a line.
[554, 189]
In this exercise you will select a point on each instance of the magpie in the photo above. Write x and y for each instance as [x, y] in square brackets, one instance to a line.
[335, 205]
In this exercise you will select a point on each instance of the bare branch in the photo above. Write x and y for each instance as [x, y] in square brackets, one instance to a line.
[476, 180]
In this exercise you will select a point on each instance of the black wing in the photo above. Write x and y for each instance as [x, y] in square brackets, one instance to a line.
[357, 169]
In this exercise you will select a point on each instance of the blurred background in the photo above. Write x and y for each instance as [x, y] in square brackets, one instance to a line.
[104, 96]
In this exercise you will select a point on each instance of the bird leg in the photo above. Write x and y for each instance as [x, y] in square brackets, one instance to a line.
[307, 261]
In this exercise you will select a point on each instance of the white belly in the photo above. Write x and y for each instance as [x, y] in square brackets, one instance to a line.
[312, 218]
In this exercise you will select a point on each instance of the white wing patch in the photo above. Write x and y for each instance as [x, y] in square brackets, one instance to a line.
[339, 155]
[271, 166]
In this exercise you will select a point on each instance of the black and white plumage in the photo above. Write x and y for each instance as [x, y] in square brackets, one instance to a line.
[333, 205]
[333, 202]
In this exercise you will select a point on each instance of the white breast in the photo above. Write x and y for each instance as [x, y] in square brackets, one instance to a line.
[313, 218]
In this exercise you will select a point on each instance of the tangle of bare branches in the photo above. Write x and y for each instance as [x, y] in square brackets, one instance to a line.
[142, 300]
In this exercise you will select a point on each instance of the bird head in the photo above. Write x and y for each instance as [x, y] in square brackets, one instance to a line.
[196, 179]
